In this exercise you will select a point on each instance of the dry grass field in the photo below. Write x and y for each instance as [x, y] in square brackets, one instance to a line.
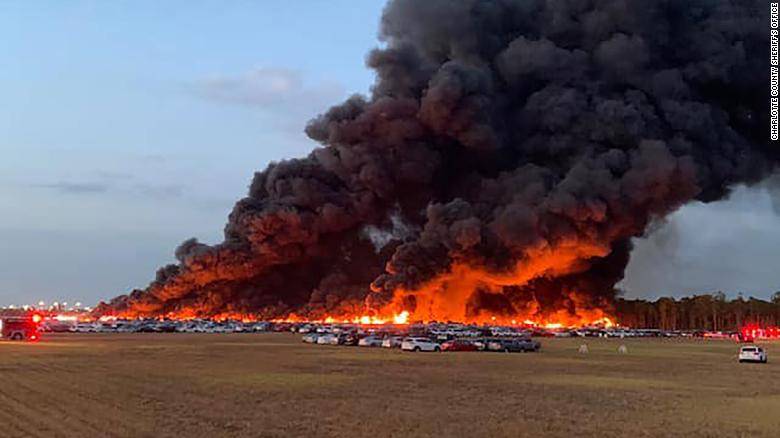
[267, 385]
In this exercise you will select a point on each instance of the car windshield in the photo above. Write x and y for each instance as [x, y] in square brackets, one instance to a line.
[748, 349]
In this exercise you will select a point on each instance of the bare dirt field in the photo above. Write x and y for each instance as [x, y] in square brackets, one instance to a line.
[264, 385]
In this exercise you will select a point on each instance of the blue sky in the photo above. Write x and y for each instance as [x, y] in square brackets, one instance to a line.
[127, 127]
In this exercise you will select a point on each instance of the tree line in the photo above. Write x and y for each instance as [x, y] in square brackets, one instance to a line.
[699, 312]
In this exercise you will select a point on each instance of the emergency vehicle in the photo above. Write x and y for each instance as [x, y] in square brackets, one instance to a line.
[20, 327]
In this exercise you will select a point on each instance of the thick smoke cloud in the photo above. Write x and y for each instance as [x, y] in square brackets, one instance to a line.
[520, 144]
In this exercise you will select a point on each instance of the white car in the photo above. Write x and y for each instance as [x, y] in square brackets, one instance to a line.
[370, 341]
[328, 339]
[420, 344]
[261, 327]
[310, 338]
[751, 353]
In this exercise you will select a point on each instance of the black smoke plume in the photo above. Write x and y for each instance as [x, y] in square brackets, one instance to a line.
[508, 153]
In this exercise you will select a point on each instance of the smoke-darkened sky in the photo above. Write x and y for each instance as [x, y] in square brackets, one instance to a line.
[126, 129]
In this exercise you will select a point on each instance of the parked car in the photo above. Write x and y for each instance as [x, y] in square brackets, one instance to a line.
[392, 342]
[420, 344]
[328, 339]
[310, 338]
[370, 341]
[349, 339]
[148, 328]
[260, 327]
[513, 345]
[493, 344]
[167, 327]
[752, 353]
[459, 345]
[528, 344]
[85, 328]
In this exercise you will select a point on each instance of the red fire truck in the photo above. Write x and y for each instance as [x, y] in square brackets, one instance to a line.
[20, 327]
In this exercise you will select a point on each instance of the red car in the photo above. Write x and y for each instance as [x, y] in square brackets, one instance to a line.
[458, 346]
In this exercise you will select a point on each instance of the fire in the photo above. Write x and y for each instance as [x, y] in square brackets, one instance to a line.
[557, 321]
[455, 295]
[66, 318]
[401, 318]
[474, 295]
[404, 317]
[531, 317]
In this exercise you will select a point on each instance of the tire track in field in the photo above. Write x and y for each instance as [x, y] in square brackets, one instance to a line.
[134, 392]
[17, 411]
[117, 392]
[50, 414]
[19, 414]
[51, 390]
[82, 412]
[11, 423]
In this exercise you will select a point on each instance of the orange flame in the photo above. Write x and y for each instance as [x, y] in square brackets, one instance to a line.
[447, 297]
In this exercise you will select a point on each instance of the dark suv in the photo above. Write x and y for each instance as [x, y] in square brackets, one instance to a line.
[513, 345]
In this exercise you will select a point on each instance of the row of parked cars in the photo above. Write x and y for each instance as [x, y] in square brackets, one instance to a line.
[438, 331]
[160, 326]
[421, 343]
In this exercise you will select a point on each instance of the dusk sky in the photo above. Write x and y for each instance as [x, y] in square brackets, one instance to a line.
[128, 127]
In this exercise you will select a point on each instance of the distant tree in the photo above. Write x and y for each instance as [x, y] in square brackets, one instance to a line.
[667, 313]
[706, 311]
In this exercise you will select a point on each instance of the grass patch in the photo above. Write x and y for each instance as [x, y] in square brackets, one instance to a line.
[247, 385]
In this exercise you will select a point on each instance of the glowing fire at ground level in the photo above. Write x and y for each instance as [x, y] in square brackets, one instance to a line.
[560, 321]
[467, 295]
[403, 318]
